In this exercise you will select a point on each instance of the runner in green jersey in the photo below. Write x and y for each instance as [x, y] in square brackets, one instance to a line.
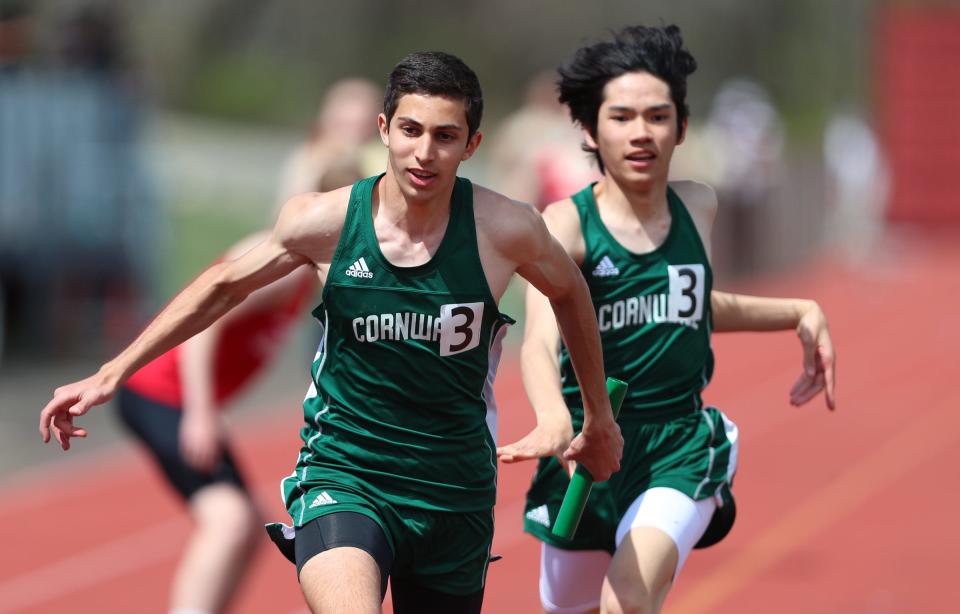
[643, 245]
[396, 473]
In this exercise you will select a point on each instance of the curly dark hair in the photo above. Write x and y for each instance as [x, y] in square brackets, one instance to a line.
[655, 50]
[435, 73]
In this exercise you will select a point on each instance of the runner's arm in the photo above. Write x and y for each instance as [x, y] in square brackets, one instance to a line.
[738, 312]
[540, 370]
[212, 294]
[200, 434]
[544, 263]
[540, 360]
[735, 312]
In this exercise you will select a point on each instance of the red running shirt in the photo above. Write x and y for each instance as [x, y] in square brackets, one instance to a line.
[246, 345]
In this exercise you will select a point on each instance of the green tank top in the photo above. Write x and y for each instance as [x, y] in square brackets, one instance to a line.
[403, 377]
[653, 310]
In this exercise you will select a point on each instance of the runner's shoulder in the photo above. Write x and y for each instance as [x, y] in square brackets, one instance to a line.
[505, 222]
[311, 223]
[314, 213]
[700, 198]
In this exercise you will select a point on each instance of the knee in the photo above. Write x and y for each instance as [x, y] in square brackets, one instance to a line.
[228, 512]
[242, 521]
[629, 601]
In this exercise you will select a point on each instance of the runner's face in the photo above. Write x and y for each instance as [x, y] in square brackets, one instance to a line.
[427, 141]
[636, 128]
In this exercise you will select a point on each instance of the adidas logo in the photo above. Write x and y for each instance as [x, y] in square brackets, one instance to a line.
[359, 269]
[323, 499]
[606, 268]
[539, 515]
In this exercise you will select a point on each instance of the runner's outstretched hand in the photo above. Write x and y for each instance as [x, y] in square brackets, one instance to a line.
[72, 401]
[548, 438]
[819, 360]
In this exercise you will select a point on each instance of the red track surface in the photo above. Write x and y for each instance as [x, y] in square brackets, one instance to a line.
[846, 512]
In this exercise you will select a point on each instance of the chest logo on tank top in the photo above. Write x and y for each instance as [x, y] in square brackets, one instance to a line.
[455, 329]
[359, 269]
[606, 268]
[681, 304]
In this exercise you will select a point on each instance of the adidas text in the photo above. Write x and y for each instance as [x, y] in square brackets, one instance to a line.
[359, 269]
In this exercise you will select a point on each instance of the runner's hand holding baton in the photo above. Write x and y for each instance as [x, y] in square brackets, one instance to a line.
[581, 482]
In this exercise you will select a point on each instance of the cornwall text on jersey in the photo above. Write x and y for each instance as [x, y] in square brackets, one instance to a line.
[683, 305]
[456, 327]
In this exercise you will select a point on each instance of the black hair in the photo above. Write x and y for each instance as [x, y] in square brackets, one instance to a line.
[435, 73]
[655, 50]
